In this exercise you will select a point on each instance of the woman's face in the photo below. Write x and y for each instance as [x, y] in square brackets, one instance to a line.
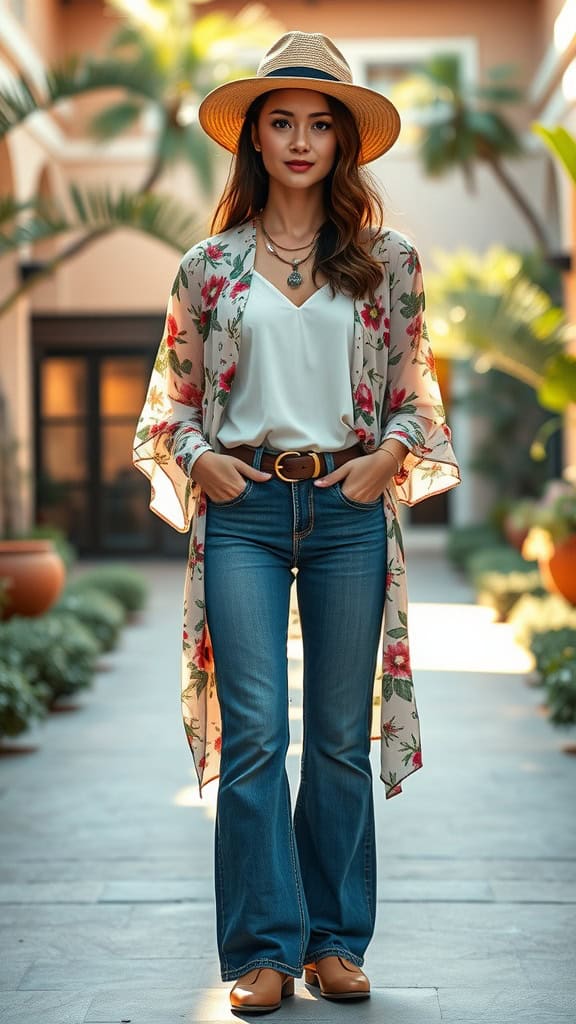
[296, 136]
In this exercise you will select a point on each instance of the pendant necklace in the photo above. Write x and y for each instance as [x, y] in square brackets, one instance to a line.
[294, 279]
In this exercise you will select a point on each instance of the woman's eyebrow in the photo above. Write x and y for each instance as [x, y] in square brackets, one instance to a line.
[290, 113]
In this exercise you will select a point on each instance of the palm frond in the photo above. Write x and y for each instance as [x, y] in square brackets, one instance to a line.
[72, 78]
[99, 209]
[445, 71]
[115, 119]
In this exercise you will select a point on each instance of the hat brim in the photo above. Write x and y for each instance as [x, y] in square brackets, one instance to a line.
[222, 111]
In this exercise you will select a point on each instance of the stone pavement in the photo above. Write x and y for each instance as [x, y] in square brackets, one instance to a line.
[106, 906]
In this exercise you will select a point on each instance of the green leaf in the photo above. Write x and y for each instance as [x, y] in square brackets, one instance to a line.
[403, 687]
[558, 389]
[561, 143]
[398, 633]
[174, 362]
[116, 119]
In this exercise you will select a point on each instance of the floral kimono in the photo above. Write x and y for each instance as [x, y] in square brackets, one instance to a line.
[395, 394]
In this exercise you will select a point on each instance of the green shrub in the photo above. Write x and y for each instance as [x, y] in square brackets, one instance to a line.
[561, 694]
[128, 586]
[552, 649]
[464, 541]
[101, 613]
[20, 703]
[502, 590]
[501, 559]
[55, 650]
[532, 615]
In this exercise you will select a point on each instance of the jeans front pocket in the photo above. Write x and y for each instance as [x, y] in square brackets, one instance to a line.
[352, 501]
[239, 497]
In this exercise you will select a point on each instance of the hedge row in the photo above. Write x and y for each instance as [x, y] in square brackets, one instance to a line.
[53, 656]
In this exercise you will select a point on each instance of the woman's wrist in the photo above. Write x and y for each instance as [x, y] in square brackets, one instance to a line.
[393, 456]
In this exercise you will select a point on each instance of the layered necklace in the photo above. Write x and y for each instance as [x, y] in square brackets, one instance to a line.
[294, 279]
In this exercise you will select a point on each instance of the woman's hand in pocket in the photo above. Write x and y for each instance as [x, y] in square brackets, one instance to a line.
[223, 477]
[363, 479]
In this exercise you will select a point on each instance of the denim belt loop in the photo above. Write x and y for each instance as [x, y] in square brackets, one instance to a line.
[329, 461]
[258, 453]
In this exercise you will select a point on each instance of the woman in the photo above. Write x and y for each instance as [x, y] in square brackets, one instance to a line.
[292, 401]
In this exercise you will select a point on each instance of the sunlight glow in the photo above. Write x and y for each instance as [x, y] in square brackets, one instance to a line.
[569, 82]
[463, 638]
[565, 26]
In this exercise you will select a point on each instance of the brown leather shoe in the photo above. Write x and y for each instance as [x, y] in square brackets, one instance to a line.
[337, 978]
[261, 990]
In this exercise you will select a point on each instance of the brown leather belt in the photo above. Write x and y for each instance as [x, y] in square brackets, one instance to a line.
[291, 466]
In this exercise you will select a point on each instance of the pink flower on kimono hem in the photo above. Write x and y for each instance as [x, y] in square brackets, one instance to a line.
[396, 660]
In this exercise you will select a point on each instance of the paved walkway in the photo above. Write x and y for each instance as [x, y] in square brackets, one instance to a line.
[106, 908]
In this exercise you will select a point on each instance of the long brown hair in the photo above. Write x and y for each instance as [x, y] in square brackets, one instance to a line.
[354, 210]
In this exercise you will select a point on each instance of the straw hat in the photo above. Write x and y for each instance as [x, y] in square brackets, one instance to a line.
[302, 60]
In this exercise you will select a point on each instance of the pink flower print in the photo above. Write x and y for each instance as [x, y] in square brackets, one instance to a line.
[414, 330]
[202, 762]
[396, 661]
[239, 287]
[202, 505]
[372, 315]
[430, 361]
[211, 291]
[203, 656]
[417, 758]
[172, 335]
[386, 334]
[188, 394]
[389, 729]
[446, 431]
[184, 634]
[157, 428]
[364, 436]
[214, 252]
[413, 262]
[363, 397]
[218, 744]
[397, 398]
[389, 580]
[226, 379]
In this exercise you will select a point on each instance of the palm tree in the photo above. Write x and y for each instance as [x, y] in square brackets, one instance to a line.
[491, 308]
[163, 60]
[464, 127]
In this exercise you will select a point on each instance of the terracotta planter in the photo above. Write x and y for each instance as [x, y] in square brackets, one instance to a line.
[35, 574]
[559, 571]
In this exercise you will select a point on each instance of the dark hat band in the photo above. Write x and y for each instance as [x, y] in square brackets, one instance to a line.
[301, 72]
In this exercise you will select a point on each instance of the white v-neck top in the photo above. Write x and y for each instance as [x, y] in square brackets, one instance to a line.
[292, 388]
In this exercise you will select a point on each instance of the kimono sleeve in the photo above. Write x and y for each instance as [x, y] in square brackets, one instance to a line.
[169, 435]
[412, 410]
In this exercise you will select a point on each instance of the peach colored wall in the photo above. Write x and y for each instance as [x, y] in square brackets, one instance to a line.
[549, 11]
[505, 31]
[43, 23]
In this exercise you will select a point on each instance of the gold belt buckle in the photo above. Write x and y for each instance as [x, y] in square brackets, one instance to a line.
[294, 479]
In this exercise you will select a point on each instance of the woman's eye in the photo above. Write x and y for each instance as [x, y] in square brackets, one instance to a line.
[280, 122]
[322, 126]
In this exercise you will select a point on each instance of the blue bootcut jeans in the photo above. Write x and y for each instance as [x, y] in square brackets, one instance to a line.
[292, 891]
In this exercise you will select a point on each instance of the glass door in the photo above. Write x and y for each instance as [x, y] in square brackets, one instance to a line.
[88, 404]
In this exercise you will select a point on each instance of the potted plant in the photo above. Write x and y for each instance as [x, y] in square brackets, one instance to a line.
[517, 521]
[32, 570]
[551, 539]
